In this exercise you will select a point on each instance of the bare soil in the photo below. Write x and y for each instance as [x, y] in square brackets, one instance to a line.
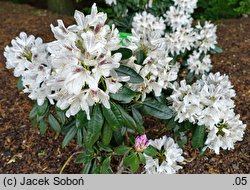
[24, 150]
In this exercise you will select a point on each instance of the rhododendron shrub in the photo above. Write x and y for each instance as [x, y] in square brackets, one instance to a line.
[95, 84]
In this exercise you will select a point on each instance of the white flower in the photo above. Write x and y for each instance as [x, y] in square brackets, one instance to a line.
[205, 102]
[180, 40]
[187, 5]
[83, 67]
[177, 18]
[145, 22]
[110, 2]
[198, 63]
[30, 60]
[166, 162]
[206, 36]
[225, 133]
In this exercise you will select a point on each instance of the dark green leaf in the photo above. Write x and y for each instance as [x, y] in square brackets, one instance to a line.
[198, 136]
[61, 115]
[33, 113]
[107, 133]
[126, 53]
[128, 121]
[113, 117]
[142, 158]
[105, 167]
[118, 136]
[122, 150]
[127, 71]
[87, 168]
[170, 124]
[156, 109]
[81, 119]
[41, 110]
[132, 161]
[79, 136]
[104, 147]
[83, 158]
[43, 126]
[125, 95]
[69, 136]
[54, 124]
[182, 141]
[151, 151]
[138, 119]
[140, 57]
[94, 126]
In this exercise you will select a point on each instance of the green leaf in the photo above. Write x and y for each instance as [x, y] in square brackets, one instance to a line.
[107, 133]
[83, 158]
[138, 119]
[87, 167]
[140, 57]
[142, 158]
[104, 147]
[132, 161]
[217, 49]
[151, 151]
[94, 126]
[124, 95]
[81, 119]
[34, 112]
[20, 84]
[182, 141]
[124, 35]
[122, 150]
[79, 137]
[126, 53]
[61, 115]
[105, 167]
[42, 126]
[41, 110]
[198, 136]
[128, 121]
[156, 109]
[113, 117]
[127, 71]
[54, 124]
[118, 136]
[69, 136]
[170, 124]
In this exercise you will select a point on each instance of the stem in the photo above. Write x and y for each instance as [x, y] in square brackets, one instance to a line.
[68, 160]
[120, 168]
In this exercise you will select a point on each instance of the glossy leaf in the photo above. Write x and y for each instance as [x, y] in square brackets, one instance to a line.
[127, 71]
[126, 53]
[54, 124]
[69, 136]
[198, 136]
[125, 95]
[156, 109]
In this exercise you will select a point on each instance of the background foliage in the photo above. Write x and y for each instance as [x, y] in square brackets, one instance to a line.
[209, 10]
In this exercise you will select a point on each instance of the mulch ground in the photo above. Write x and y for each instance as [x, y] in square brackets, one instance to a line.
[24, 150]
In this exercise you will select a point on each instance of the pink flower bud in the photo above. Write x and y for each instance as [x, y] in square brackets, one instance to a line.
[141, 143]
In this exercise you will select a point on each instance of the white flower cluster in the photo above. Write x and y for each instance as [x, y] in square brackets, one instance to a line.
[30, 60]
[209, 102]
[80, 69]
[186, 38]
[142, 22]
[166, 161]
[156, 69]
